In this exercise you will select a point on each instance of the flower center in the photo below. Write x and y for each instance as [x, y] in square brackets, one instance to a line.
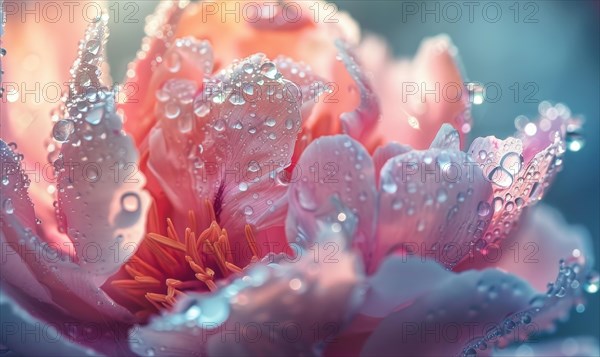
[166, 266]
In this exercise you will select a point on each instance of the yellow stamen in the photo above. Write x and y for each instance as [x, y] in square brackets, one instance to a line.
[166, 266]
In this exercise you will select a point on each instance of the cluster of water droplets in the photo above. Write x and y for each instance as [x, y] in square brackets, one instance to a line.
[516, 182]
[573, 278]
[431, 190]
[248, 111]
[302, 75]
[14, 182]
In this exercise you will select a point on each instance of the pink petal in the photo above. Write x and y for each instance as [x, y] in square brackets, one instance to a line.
[242, 131]
[446, 138]
[270, 301]
[312, 34]
[17, 205]
[36, 65]
[417, 97]
[140, 89]
[333, 173]
[19, 326]
[302, 75]
[534, 250]
[430, 205]
[521, 169]
[55, 278]
[361, 121]
[383, 153]
[170, 150]
[443, 317]
[33, 329]
[101, 202]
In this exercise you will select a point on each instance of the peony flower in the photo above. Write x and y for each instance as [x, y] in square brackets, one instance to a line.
[256, 188]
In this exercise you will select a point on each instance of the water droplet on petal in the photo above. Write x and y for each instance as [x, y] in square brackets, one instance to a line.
[93, 46]
[306, 199]
[95, 116]
[512, 162]
[219, 125]
[483, 209]
[248, 211]
[289, 124]
[62, 130]
[253, 166]
[248, 68]
[130, 202]
[501, 177]
[388, 184]
[442, 195]
[201, 109]
[270, 122]
[269, 70]
[8, 206]
[237, 99]
[172, 110]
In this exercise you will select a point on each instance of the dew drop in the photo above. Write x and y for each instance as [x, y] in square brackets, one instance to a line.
[130, 202]
[5, 181]
[442, 195]
[162, 95]
[95, 116]
[201, 109]
[248, 68]
[253, 166]
[270, 122]
[512, 162]
[470, 353]
[397, 204]
[501, 177]
[248, 211]
[62, 130]
[8, 206]
[173, 62]
[482, 155]
[421, 226]
[243, 187]
[498, 204]
[305, 199]
[237, 99]
[249, 89]
[219, 125]
[269, 70]
[388, 184]
[172, 110]
[93, 46]
[289, 124]
[483, 209]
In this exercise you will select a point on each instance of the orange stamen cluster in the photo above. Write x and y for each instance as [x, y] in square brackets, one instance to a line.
[165, 265]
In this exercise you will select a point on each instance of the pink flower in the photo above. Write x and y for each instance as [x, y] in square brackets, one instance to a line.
[253, 198]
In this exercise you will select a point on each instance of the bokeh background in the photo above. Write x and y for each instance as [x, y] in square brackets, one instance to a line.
[553, 44]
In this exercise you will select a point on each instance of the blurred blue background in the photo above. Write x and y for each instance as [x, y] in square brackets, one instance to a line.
[553, 44]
